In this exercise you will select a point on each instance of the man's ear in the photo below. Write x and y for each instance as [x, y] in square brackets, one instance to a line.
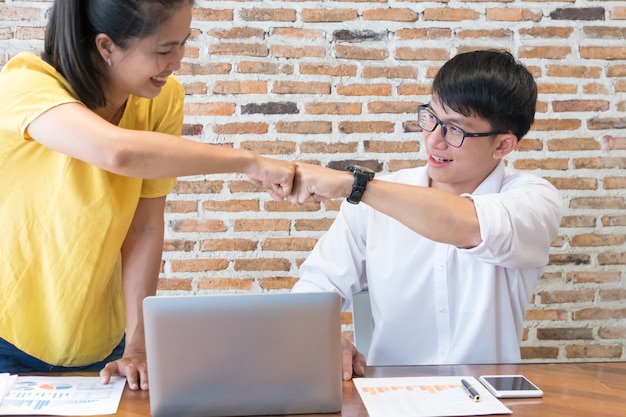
[105, 46]
[505, 143]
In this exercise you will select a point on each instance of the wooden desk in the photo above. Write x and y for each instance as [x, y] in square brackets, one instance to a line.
[570, 389]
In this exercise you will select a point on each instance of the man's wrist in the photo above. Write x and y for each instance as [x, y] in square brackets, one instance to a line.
[362, 176]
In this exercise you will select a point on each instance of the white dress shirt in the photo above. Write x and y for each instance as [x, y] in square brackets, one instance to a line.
[434, 303]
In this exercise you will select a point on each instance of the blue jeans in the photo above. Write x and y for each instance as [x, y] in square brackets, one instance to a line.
[15, 361]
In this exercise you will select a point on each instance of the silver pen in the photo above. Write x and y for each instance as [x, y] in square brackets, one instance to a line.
[473, 394]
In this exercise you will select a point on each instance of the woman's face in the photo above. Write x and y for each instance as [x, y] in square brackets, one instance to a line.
[143, 68]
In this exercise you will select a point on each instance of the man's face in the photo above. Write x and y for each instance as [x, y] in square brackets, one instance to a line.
[460, 170]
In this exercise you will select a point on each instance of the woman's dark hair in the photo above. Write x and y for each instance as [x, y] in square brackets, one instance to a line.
[71, 32]
[490, 85]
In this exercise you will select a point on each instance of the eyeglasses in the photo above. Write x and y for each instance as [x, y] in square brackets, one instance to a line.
[452, 135]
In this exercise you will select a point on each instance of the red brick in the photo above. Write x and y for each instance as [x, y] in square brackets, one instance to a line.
[409, 72]
[361, 53]
[593, 239]
[226, 284]
[178, 245]
[512, 15]
[196, 225]
[366, 127]
[305, 128]
[539, 352]
[573, 296]
[333, 108]
[364, 90]
[586, 277]
[198, 265]
[294, 52]
[266, 15]
[240, 87]
[262, 264]
[214, 109]
[602, 52]
[399, 107]
[297, 33]
[384, 146]
[328, 69]
[243, 245]
[243, 49]
[277, 283]
[328, 15]
[417, 54]
[288, 244]
[450, 15]
[319, 225]
[296, 87]
[617, 220]
[181, 206]
[238, 33]
[212, 15]
[592, 351]
[260, 225]
[231, 205]
[174, 284]
[391, 14]
[545, 52]
[241, 128]
[274, 147]
[328, 148]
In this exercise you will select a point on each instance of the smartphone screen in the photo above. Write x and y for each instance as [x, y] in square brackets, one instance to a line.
[510, 383]
[510, 386]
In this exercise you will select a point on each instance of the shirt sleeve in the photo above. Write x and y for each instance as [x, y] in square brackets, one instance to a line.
[29, 88]
[337, 262]
[168, 119]
[518, 224]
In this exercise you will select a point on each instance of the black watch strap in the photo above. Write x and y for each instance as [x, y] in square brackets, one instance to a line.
[361, 177]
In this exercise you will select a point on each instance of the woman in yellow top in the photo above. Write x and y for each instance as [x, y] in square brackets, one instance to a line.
[89, 148]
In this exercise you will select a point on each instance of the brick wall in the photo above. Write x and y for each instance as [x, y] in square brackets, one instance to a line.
[333, 82]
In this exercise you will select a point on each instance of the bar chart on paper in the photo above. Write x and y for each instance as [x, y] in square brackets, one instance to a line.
[425, 396]
[430, 389]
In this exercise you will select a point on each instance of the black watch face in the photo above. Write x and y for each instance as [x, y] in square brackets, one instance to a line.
[362, 170]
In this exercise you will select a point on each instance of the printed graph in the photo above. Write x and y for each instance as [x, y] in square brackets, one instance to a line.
[431, 389]
[424, 396]
[62, 396]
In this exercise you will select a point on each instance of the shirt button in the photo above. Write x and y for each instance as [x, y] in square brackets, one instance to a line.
[439, 266]
[443, 309]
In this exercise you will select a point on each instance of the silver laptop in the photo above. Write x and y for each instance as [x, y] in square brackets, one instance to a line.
[248, 354]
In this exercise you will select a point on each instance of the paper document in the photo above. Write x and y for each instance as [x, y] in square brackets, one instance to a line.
[52, 395]
[425, 397]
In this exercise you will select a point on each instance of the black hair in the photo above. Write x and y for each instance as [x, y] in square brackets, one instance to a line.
[73, 25]
[491, 85]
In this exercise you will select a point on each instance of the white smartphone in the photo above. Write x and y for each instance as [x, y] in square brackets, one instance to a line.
[510, 386]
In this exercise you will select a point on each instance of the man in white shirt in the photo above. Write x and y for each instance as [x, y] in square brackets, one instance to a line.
[451, 252]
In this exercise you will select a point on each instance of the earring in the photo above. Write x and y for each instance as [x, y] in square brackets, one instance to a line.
[109, 61]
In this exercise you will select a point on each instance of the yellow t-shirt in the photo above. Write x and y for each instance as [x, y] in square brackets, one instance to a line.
[63, 221]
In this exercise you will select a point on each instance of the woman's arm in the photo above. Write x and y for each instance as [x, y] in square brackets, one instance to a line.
[76, 131]
[141, 260]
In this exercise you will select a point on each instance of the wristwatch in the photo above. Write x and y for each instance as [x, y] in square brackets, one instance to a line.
[362, 176]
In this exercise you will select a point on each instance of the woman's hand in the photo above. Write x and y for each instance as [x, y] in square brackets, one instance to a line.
[273, 175]
[133, 366]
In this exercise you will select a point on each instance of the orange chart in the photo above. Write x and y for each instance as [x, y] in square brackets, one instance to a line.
[431, 389]
[55, 386]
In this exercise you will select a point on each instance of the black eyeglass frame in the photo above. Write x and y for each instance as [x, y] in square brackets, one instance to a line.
[444, 129]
